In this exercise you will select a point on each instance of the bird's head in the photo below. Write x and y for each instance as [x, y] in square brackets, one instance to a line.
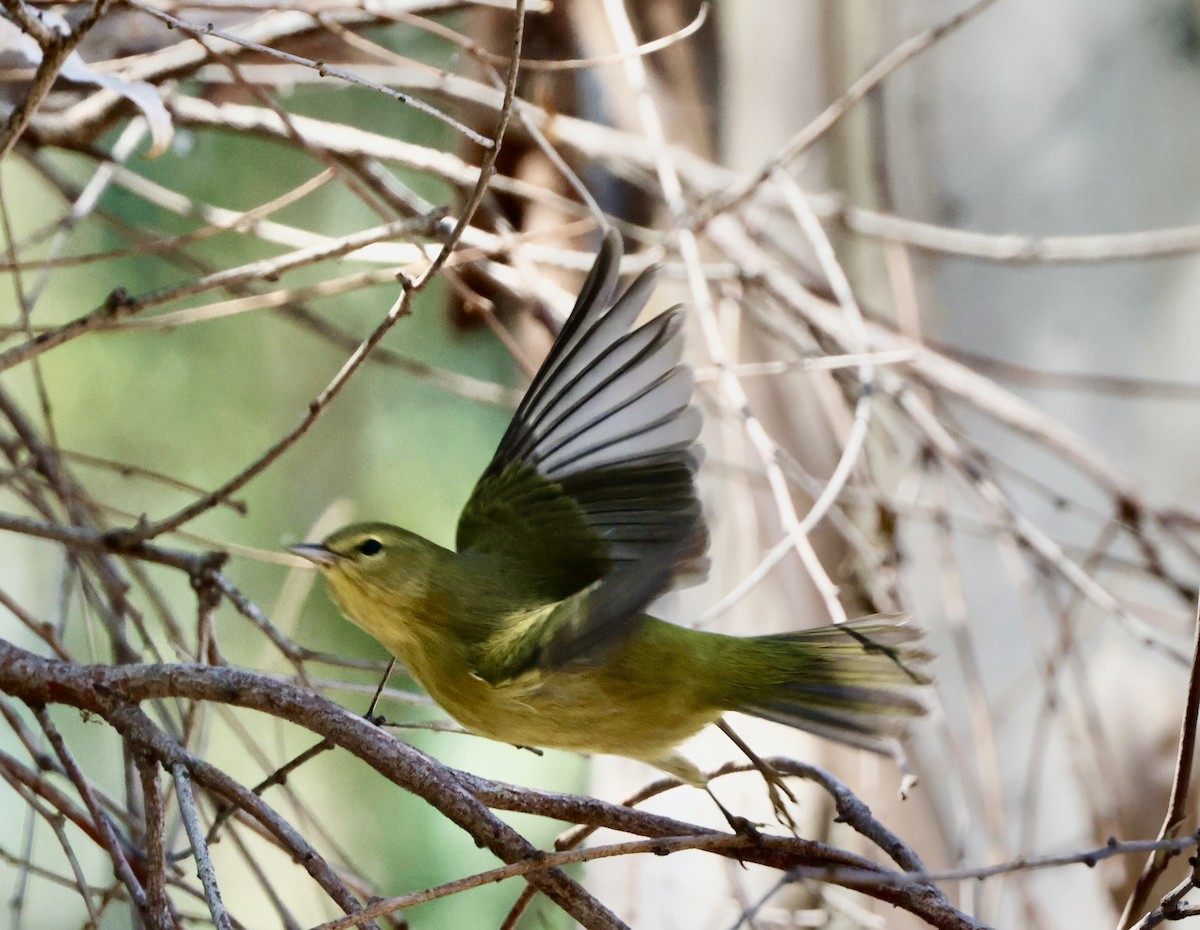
[374, 570]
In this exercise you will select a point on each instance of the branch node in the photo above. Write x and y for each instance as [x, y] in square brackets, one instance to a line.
[118, 301]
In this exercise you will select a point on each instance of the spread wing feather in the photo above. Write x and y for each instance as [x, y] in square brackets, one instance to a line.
[592, 489]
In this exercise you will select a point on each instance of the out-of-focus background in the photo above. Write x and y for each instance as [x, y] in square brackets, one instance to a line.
[941, 267]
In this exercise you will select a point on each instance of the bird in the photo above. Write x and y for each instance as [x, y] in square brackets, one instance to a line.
[533, 630]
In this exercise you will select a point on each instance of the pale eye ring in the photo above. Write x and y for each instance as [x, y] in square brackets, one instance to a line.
[370, 546]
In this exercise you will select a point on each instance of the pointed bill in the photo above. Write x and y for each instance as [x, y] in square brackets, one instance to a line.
[313, 552]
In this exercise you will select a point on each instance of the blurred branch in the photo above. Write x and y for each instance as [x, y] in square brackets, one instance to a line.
[1016, 248]
[399, 309]
[56, 48]
[1173, 906]
[907, 430]
[902, 54]
[117, 306]
[1177, 807]
[319, 66]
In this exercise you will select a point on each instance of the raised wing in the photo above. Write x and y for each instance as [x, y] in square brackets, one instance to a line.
[597, 468]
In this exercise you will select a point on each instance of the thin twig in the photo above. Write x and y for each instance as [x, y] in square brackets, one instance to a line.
[104, 828]
[758, 435]
[903, 53]
[398, 310]
[1177, 807]
[204, 867]
[660, 846]
[56, 48]
[158, 912]
[319, 66]
[56, 824]
[106, 690]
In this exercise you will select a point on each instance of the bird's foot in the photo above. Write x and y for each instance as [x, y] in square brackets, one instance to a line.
[740, 825]
[744, 827]
[776, 789]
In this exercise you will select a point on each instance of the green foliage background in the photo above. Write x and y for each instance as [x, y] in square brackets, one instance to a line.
[201, 402]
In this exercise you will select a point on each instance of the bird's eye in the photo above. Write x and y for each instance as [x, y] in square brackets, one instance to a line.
[370, 546]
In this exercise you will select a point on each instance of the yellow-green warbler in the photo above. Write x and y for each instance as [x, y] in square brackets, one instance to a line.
[534, 632]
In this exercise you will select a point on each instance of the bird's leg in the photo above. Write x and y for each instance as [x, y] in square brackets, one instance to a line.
[280, 775]
[740, 825]
[686, 772]
[775, 782]
[370, 714]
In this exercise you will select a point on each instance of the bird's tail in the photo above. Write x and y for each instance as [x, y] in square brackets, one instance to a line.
[850, 682]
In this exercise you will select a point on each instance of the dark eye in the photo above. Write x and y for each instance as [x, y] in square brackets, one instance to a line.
[371, 546]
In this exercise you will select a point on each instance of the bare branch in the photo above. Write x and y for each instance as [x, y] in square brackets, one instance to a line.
[1177, 807]
[204, 866]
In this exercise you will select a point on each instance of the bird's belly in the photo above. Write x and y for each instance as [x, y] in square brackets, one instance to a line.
[589, 711]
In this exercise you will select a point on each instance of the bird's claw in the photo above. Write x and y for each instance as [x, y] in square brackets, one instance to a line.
[776, 790]
[743, 827]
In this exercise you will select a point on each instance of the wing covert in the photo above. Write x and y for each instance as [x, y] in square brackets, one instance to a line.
[578, 630]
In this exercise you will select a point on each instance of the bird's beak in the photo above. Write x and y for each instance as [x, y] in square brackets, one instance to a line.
[315, 553]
